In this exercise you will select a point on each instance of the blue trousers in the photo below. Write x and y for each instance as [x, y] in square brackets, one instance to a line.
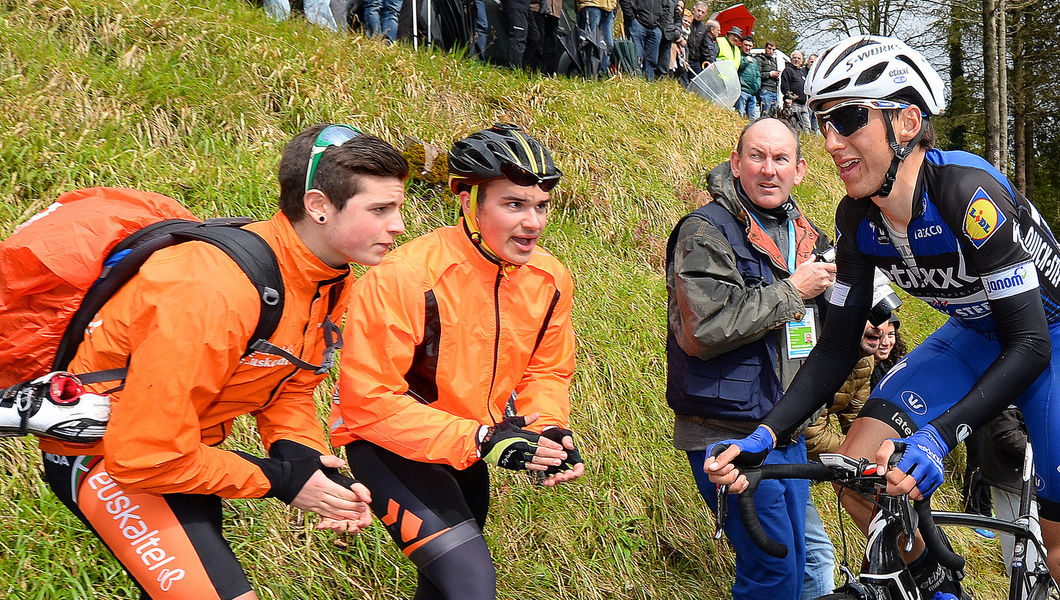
[769, 101]
[820, 556]
[647, 43]
[747, 106]
[592, 18]
[381, 17]
[781, 507]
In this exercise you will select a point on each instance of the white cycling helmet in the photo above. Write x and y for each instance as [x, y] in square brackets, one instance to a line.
[875, 68]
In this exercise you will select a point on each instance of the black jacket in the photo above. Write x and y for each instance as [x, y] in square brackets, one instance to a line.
[793, 80]
[649, 13]
[765, 65]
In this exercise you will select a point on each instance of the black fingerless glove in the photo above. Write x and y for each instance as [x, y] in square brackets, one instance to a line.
[556, 434]
[286, 477]
[289, 466]
[508, 445]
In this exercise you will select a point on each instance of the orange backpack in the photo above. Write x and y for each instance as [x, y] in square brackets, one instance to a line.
[59, 267]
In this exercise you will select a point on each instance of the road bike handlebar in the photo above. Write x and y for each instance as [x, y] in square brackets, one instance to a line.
[859, 476]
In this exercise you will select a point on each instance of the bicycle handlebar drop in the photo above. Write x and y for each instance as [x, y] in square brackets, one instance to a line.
[858, 475]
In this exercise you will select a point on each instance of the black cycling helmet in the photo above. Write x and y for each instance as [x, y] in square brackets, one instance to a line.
[502, 151]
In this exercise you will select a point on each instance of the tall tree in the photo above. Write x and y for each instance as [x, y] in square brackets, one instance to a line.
[821, 22]
[991, 91]
[1002, 84]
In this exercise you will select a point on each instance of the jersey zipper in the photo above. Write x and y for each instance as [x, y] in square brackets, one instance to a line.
[496, 337]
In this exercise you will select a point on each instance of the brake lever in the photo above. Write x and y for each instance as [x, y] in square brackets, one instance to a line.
[723, 508]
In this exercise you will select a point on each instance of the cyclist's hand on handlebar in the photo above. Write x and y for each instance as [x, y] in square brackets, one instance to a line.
[919, 469]
[724, 459]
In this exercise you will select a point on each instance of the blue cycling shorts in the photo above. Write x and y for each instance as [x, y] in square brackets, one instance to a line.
[940, 371]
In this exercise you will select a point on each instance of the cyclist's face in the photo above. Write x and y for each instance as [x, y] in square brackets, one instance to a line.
[768, 166]
[863, 157]
[511, 218]
[365, 229]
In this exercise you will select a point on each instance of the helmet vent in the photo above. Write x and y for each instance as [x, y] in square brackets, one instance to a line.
[870, 75]
[839, 85]
[847, 52]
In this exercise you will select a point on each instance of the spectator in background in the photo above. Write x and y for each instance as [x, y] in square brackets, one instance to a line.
[597, 17]
[891, 350]
[381, 18]
[729, 285]
[822, 436]
[750, 81]
[642, 21]
[793, 81]
[517, 18]
[682, 70]
[769, 71]
[806, 71]
[729, 46]
[671, 35]
[696, 35]
[1002, 468]
[482, 29]
[710, 43]
[542, 37]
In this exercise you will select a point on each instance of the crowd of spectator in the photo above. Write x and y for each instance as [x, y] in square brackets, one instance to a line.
[661, 38]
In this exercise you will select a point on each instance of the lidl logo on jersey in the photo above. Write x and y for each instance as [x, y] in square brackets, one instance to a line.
[982, 218]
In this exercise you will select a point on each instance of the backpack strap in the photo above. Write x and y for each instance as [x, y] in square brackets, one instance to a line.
[253, 255]
[258, 262]
[332, 340]
[121, 264]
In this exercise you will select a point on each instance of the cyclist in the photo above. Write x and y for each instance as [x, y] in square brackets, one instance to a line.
[951, 230]
[152, 489]
[447, 332]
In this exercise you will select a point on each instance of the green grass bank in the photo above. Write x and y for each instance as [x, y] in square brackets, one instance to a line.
[196, 99]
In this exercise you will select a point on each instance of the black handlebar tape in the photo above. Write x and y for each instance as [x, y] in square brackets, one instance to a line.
[745, 503]
[754, 529]
[933, 540]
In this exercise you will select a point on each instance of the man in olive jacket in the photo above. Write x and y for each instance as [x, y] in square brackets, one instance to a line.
[743, 280]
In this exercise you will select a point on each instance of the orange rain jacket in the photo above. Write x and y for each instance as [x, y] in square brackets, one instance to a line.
[183, 324]
[438, 337]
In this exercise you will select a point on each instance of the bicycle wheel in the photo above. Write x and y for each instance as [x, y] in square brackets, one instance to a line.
[1043, 589]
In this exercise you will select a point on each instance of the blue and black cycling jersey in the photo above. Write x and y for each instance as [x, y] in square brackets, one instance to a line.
[973, 238]
[977, 251]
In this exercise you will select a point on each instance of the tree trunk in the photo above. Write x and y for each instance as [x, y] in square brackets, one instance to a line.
[1019, 101]
[990, 83]
[1002, 85]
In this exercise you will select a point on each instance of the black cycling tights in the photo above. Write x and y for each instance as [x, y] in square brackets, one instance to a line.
[435, 514]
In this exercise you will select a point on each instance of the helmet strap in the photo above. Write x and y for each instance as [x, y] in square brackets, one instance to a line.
[473, 232]
[900, 154]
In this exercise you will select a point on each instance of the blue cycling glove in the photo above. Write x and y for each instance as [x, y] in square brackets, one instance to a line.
[922, 458]
[753, 448]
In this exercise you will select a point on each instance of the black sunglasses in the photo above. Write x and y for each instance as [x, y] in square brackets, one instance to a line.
[847, 117]
[522, 177]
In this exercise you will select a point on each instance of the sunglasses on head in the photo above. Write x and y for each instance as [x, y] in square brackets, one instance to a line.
[332, 135]
[520, 176]
[847, 117]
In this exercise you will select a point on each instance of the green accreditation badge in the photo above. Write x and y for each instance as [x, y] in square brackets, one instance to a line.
[802, 335]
